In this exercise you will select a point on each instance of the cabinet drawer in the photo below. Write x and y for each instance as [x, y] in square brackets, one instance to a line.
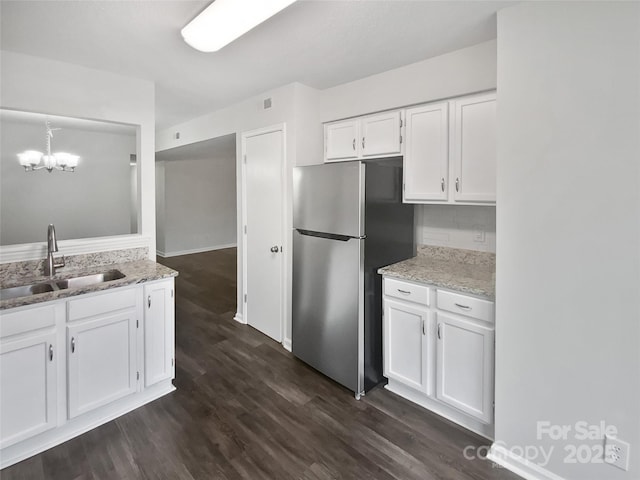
[410, 292]
[464, 305]
[100, 304]
[26, 320]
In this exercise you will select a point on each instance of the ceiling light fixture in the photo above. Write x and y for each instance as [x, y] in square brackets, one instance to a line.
[33, 160]
[225, 20]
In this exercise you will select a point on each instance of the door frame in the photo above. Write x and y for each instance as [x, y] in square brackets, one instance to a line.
[285, 225]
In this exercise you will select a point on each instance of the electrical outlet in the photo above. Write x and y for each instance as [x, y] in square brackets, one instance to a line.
[616, 452]
[478, 233]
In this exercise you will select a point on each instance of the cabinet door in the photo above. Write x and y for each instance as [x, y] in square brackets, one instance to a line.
[426, 153]
[465, 366]
[159, 316]
[101, 361]
[381, 135]
[341, 140]
[27, 387]
[405, 345]
[474, 148]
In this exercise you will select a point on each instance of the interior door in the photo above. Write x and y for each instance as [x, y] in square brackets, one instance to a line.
[263, 195]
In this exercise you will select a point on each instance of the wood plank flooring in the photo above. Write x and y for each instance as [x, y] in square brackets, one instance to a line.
[247, 409]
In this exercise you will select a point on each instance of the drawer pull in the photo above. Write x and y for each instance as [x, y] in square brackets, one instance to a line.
[404, 291]
[439, 335]
[465, 307]
[50, 353]
[73, 345]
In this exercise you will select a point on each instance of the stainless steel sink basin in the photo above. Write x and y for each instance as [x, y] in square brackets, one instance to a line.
[26, 290]
[88, 280]
[75, 282]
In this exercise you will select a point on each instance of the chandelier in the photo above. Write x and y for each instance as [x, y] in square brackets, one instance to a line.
[33, 160]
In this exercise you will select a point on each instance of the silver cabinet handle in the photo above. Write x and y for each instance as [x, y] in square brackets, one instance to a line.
[149, 301]
[405, 292]
[457, 184]
[50, 353]
[362, 142]
[442, 184]
[439, 335]
[466, 307]
[423, 327]
[354, 144]
[274, 249]
[73, 344]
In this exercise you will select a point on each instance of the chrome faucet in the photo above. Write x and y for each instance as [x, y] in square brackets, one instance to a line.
[52, 246]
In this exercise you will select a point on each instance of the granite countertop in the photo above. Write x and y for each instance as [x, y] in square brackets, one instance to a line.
[135, 272]
[455, 269]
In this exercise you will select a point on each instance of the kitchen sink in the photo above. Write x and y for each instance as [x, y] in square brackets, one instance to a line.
[51, 286]
[26, 290]
[88, 280]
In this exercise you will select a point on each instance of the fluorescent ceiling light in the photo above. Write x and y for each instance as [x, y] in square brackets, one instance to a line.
[225, 20]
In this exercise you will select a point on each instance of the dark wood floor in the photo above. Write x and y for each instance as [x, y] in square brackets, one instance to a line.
[247, 409]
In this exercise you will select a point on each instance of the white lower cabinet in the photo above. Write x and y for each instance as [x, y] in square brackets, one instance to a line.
[27, 387]
[465, 366]
[159, 343]
[86, 355]
[440, 360]
[406, 345]
[101, 361]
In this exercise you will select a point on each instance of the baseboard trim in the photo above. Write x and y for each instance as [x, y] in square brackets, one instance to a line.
[286, 343]
[82, 424]
[441, 409]
[519, 465]
[195, 250]
[238, 318]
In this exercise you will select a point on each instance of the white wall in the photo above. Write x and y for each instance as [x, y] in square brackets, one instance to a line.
[74, 202]
[47, 86]
[199, 201]
[457, 226]
[461, 72]
[568, 225]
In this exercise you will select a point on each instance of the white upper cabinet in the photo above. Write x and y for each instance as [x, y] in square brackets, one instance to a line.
[381, 135]
[426, 157]
[342, 140]
[450, 152]
[473, 148]
[372, 136]
[159, 312]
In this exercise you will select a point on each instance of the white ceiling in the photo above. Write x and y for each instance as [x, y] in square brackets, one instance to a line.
[321, 43]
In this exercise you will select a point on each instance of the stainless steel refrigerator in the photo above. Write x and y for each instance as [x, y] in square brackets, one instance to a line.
[348, 221]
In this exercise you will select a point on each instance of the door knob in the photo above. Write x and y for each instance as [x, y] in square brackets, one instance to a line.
[274, 249]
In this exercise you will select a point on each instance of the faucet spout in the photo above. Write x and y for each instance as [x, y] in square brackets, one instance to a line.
[52, 243]
[50, 264]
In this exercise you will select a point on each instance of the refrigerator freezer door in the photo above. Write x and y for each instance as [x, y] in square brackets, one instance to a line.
[328, 318]
[329, 198]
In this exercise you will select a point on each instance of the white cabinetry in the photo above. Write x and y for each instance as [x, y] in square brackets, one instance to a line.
[406, 345]
[28, 373]
[67, 366]
[465, 366]
[439, 359]
[102, 361]
[451, 152]
[159, 323]
[426, 161]
[365, 137]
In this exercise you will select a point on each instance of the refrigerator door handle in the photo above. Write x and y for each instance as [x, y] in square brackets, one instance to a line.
[330, 236]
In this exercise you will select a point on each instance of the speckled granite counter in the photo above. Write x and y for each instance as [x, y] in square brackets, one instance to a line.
[137, 271]
[465, 271]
